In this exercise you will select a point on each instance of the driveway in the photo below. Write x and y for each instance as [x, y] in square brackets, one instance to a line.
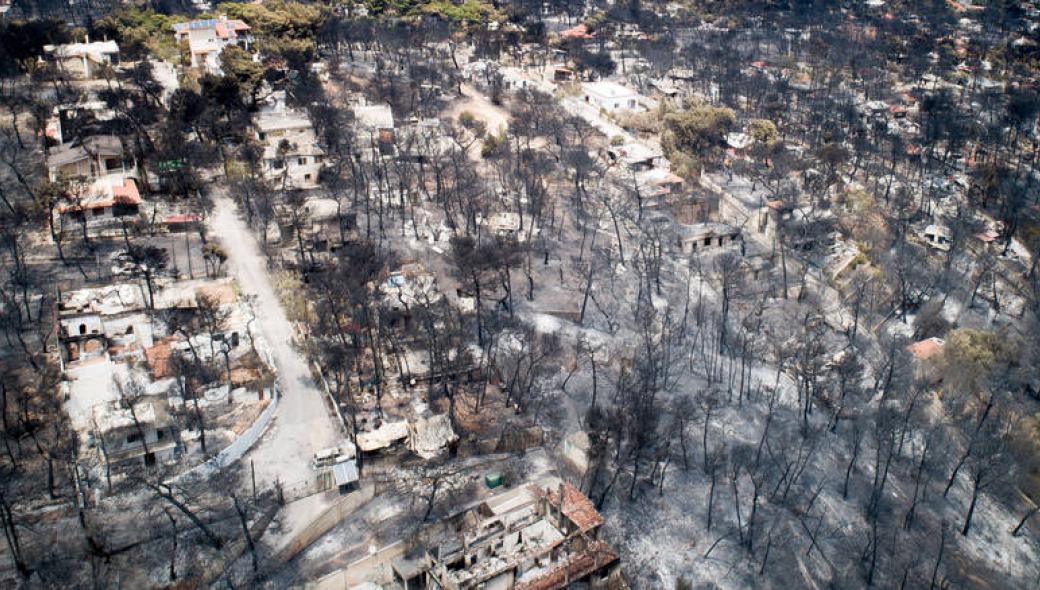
[301, 424]
[592, 116]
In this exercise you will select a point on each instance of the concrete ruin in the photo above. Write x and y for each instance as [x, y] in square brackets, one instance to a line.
[538, 536]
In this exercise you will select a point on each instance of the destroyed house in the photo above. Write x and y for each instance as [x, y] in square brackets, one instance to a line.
[659, 182]
[90, 159]
[422, 365]
[938, 236]
[405, 290]
[708, 237]
[82, 336]
[375, 123]
[144, 434]
[108, 204]
[421, 140]
[75, 119]
[509, 225]
[327, 226]
[429, 437]
[83, 61]
[636, 156]
[542, 536]
[387, 435]
[93, 321]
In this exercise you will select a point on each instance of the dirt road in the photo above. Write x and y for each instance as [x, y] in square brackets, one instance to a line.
[301, 423]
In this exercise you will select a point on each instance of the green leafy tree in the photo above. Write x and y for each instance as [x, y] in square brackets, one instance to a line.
[141, 32]
[763, 131]
[239, 65]
[698, 131]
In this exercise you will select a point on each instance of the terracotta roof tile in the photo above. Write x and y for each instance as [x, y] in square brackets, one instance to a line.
[926, 349]
[158, 358]
[576, 32]
[124, 194]
[573, 569]
[578, 508]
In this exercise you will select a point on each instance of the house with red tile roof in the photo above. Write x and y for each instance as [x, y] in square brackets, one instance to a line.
[576, 32]
[108, 203]
[207, 39]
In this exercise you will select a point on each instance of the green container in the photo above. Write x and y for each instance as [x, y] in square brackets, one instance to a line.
[493, 480]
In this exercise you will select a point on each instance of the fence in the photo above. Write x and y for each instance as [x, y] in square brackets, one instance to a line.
[331, 400]
[357, 572]
[231, 552]
[322, 482]
[510, 441]
[238, 447]
[341, 508]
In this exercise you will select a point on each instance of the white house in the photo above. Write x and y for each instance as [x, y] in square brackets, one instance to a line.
[610, 96]
[83, 61]
[141, 435]
[207, 38]
[375, 124]
[292, 157]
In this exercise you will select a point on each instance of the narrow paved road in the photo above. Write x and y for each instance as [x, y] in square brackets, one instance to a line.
[301, 423]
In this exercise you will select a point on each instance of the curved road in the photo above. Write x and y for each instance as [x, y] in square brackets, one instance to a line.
[301, 424]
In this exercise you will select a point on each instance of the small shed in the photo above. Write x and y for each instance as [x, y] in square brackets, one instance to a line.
[938, 237]
[345, 474]
[493, 480]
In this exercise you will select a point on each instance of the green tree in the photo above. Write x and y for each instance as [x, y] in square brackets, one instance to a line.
[765, 139]
[141, 32]
[238, 64]
[970, 358]
[699, 130]
[763, 131]
[466, 13]
[278, 19]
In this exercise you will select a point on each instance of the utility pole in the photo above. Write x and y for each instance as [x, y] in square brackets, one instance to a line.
[187, 248]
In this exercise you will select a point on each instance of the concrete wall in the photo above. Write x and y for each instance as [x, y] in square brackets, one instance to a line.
[240, 445]
[343, 507]
[374, 566]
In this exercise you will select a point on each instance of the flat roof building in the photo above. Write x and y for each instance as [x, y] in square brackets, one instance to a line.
[610, 96]
[83, 61]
